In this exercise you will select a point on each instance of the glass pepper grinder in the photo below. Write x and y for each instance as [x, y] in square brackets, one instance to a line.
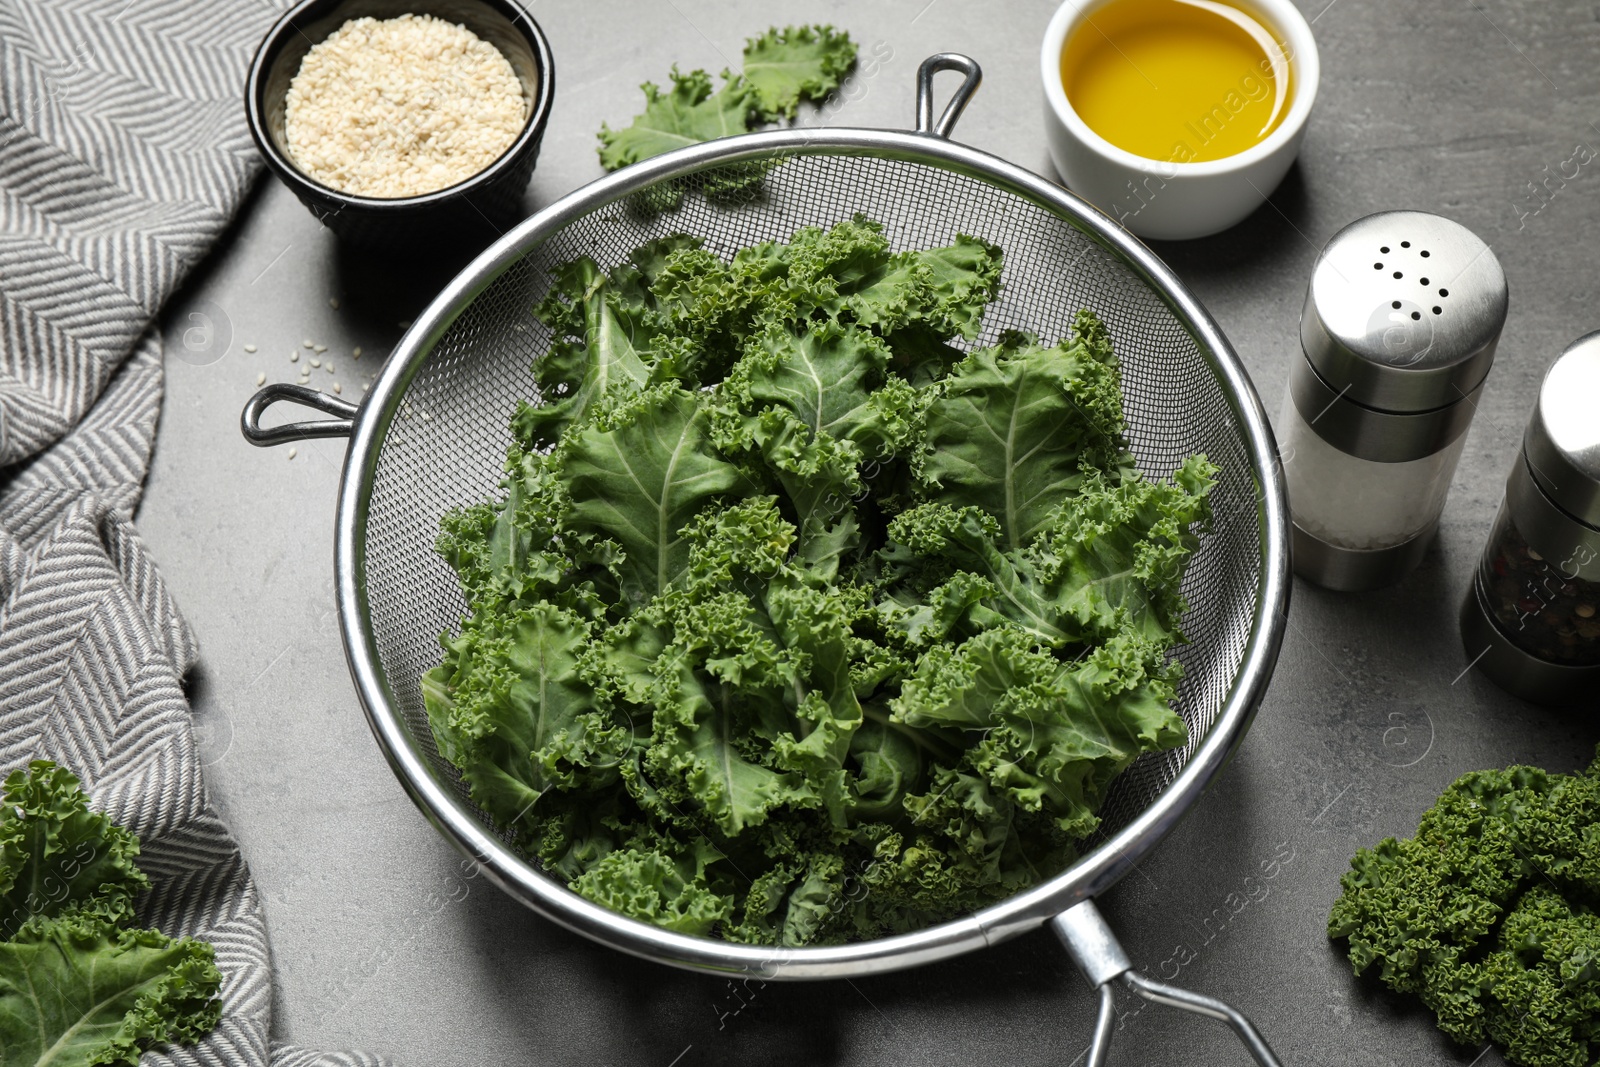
[1531, 620]
[1398, 334]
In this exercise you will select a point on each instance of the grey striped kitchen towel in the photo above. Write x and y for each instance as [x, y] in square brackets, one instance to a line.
[123, 156]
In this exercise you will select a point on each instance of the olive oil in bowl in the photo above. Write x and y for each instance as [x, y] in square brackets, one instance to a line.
[1181, 81]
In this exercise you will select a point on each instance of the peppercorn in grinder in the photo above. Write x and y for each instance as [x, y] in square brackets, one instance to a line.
[1531, 619]
[1402, 316]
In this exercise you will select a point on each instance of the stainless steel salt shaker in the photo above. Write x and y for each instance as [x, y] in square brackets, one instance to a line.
[1531, 620]
[1402, 315]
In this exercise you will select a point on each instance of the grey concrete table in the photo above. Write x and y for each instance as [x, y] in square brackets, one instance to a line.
[1466, 107]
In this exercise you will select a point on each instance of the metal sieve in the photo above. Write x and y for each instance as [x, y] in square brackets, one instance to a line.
[433, 432]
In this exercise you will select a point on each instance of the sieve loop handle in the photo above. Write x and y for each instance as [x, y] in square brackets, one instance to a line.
[958, 103]
[250, 419]
[1095, 949]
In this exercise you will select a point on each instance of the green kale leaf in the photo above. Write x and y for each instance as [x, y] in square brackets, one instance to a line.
[599, 332]
[687, 113]
[89, 992]
[1054, 734]
[57, 855]
[637, 474]
[1013, 428]
[784, 67]
[79, 984]
[1488, 913]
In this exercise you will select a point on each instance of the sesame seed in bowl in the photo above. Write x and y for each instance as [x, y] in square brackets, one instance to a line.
[396, 107]
[404, 125]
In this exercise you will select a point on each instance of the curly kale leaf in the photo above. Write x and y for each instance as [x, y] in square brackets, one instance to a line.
[784, 67]
[813, 408]
[1111, 558]
[601, 341]
[645, 884]
[509, 707]
[698, 761]
[890, 757]
[979, 585]
[1115, 554]
[1013, 428]
[849, 272]
[781, 69]
[90, 992]
[1541, 987]
[56, 855]
[846, 272]
[1053, 734]
[754, 706]
[79, 985]
[940, 291]
[825, 378]
[1487, 913]
[637, 474]
[687, 113]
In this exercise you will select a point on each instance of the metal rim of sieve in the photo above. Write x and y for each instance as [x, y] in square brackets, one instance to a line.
[1064, 901]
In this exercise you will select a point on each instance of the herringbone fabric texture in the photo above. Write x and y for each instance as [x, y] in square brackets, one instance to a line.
[123, 155]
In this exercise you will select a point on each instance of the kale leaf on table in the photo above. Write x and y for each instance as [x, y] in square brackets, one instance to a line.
[80, 983]
[797, 621]
[782, 69]
[687, 113]
[1488, 914]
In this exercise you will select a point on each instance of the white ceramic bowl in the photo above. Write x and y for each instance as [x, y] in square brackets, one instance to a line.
[1169, 200]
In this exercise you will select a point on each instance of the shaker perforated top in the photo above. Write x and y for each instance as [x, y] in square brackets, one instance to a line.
[1403, 311]
[1563, 439]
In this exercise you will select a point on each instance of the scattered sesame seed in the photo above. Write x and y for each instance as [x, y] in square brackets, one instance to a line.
[355, 353]
[336, 388]
[294, 357]
[319, 349]
[426, 417]
[315, 362]
[333, 302]
[261, 378]
[306, 344]
[249, 348]
[328, 367]
[293, 452]
[365, 386]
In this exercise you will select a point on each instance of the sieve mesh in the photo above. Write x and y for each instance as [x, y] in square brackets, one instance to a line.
[446, 443]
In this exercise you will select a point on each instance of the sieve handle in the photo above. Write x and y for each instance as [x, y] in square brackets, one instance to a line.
[1095, 949]
[256, 434]
[958, 103]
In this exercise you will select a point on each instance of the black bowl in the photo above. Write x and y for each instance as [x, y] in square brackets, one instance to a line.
[471, 212]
